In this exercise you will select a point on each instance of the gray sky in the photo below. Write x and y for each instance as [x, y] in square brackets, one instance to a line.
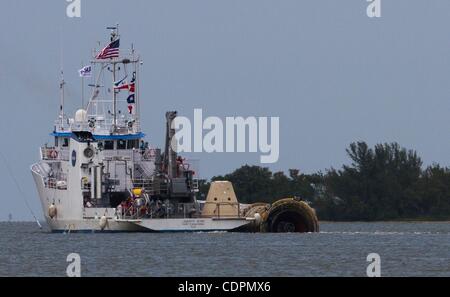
[330, 73]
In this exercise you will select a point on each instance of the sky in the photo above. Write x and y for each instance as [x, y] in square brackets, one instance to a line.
[328, 71]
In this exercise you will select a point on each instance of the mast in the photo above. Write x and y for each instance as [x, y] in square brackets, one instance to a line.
[130, 122]
[136, 62]
[82, 88]
[61, 105]
[114, 36]
[61, 86]
[114, 98]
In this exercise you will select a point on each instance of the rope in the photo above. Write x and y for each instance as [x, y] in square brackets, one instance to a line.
[19, 188]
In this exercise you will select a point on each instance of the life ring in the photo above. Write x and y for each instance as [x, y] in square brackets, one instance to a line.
[53, 154]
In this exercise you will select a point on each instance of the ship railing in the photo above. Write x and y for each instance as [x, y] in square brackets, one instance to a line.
[221, 215]
[154, 188]
[118, 155]
[180, 210]
[150, 187]
[128, 154]
[131, 212]
[147, 154]
[128, 214]
[62, 124]
[58, 183]
[54, 154]
[99, 124]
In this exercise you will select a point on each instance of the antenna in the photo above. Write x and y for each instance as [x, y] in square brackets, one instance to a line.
[82, 88]
[61, 86]
[62, 83]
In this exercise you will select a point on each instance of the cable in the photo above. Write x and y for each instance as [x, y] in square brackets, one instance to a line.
[18, 188]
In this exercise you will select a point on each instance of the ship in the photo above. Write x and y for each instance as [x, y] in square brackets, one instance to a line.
[101, 175]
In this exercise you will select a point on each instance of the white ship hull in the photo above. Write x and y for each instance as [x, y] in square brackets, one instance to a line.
[190, 225]
[146, 225]
[76, 218]
[91, 225]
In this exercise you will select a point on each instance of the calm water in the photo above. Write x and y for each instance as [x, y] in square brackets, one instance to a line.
[406, 249]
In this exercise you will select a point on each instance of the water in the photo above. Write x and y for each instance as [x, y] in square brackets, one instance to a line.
[406, 249]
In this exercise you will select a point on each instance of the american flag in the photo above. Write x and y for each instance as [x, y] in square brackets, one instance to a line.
[110, 51]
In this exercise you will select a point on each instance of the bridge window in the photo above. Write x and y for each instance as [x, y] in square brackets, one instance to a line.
[133, 144]
[109, 145]
[64, 142]
[121, 144]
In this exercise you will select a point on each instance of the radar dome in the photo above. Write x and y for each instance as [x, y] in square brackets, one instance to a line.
[80, 115]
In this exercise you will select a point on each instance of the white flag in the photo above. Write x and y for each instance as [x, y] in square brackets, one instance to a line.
[86, 71]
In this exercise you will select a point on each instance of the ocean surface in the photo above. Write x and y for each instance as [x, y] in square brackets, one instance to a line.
[340, 249]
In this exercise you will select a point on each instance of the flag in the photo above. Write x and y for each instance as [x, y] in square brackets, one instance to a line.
[110, 51]
[129, 87]
[130, 99]
[86, 71]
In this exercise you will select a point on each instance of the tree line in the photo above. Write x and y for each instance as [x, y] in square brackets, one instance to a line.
[386, 182]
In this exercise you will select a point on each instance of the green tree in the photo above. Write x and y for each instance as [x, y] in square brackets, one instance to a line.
[380, 183]
[258, 184]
